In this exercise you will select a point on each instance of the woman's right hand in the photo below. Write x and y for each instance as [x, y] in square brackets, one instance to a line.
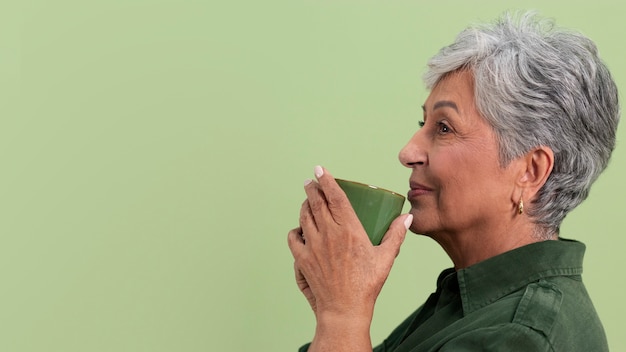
[303, 285]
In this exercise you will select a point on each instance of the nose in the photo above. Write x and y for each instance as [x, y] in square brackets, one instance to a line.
[414, 152]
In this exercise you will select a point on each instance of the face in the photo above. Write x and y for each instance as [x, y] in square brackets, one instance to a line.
[457, 185]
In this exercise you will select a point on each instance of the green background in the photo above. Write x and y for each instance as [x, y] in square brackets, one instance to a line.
[153, 154]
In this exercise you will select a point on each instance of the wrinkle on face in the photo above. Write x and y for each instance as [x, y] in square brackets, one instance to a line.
[463, 164]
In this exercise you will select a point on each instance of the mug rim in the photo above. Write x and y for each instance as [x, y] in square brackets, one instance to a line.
[371, 186]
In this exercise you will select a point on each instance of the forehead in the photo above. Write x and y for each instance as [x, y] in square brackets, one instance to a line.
[457, 87]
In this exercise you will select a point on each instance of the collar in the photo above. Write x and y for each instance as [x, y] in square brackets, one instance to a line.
[496, 277]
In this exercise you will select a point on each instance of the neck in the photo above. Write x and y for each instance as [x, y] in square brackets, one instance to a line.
[467, 248]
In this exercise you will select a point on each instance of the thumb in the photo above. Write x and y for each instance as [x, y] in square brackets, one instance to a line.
[395, 235]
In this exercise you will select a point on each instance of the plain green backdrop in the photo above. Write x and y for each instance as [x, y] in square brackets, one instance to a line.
[153, 154]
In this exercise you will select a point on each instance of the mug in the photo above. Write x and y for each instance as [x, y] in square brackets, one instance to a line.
[375, 207]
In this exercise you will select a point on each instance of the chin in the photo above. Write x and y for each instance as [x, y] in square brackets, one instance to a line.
[421, 233]
[421, 223]
[418, 230]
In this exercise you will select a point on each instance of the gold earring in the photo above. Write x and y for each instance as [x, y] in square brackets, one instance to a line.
[520, 206]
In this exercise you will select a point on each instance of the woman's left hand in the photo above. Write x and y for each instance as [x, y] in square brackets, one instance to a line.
[337, 268]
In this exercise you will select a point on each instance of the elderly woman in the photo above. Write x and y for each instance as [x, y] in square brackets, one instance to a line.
[520, 121]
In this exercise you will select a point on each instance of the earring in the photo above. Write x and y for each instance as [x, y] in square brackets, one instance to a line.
[520, 206]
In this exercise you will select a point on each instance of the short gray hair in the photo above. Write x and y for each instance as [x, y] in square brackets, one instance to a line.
[540, 86]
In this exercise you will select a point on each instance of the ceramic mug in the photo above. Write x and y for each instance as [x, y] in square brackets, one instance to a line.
[375, 207]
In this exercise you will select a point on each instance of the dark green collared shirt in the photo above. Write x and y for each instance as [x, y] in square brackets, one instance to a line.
[529, 299]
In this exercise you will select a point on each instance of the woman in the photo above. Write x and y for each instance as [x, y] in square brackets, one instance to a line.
[520, 120]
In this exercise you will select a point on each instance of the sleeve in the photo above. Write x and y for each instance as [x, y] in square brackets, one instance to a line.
[508, 337]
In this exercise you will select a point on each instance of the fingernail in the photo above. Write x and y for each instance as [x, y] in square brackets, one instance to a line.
[307, 181]
[318, 171]
[408, 221]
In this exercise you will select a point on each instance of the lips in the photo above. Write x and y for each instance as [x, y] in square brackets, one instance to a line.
[418, 189]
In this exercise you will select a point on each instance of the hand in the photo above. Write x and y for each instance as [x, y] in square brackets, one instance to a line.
[337, 268]
[303, 285]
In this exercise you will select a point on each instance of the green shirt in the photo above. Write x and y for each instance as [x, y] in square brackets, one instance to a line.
[529, 299]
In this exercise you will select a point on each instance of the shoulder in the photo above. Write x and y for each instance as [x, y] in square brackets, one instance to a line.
[539, 307]
[508, 337]
[553, 314]
[561, 309]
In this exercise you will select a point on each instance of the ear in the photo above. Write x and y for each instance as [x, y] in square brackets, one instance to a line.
[536, 166]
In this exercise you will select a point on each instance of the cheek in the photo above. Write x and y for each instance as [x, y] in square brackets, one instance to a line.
[480, 185]
[464, 177]
[454, 169]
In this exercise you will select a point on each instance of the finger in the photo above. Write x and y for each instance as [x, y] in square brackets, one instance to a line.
[317, 204]
[303, 286]
[336, 199]
[300, 278]
[390, 245]
[295, 241]
[307, 220]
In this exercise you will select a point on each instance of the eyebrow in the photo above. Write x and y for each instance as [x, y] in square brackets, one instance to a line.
[442, 104]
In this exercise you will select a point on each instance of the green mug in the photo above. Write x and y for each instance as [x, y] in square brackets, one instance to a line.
[375, 207]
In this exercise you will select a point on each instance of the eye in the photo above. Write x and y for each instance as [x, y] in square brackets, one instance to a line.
[421, 123]
[443, 128]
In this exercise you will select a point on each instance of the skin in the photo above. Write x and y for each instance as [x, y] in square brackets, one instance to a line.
[460, 196]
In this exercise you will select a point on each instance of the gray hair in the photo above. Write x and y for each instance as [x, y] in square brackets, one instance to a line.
[539, 86]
